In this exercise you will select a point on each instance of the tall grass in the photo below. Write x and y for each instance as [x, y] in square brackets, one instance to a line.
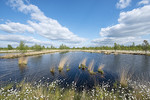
[23, 61]
[28, 91]
[68, 69]
[52, 70]
[91, 67]
[62, 63]
[125, 76]
[83, 63]
[100, 69]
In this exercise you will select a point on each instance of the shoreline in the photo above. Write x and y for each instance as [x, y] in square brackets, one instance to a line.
[33, 53]
[29, 53]
[107, 52]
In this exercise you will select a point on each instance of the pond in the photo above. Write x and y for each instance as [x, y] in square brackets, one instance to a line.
[38, 68]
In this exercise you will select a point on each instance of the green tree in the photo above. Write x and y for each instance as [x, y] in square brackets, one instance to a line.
[73, 48]
[37, 47]
[43, 47]
[133, 44]
[52, 47]
[9, 47]
[63, 47]
[22, 47]
[145, 45]
[115, 46]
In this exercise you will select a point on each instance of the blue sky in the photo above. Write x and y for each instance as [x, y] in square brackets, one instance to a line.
[74, 22]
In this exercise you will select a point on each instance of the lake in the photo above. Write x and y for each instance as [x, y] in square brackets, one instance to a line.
[38, 68]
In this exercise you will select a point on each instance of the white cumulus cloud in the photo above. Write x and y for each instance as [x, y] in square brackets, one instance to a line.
[12, 27]
[40, 24]
[132, 25]
[123, 4]
[144, 2]
[26, 39]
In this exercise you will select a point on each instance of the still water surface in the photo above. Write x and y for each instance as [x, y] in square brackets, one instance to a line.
[38, 68]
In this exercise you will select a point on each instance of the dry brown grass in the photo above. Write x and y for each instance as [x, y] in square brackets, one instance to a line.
[84, 61]
[100, 69]
[83, 64]
[62, 63]
[23, 61]
[125, 76]
[52, 70]
[91, 67]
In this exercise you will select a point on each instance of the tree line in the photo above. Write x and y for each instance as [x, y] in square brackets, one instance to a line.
[145, 46]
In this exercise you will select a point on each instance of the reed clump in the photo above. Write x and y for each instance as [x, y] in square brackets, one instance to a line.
[100, 69]
[23, 61]
[79, 66]
[124, 77]
[68, 69]
[62, 63]
[83, 64]
[90, 68]
[52, 70]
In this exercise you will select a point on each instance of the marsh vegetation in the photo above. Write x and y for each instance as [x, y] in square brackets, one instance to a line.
[23, 61]
[62, 63]
[52, 91]
[75, 76]
[100, 69]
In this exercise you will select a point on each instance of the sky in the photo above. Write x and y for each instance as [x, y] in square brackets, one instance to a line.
[74, 22]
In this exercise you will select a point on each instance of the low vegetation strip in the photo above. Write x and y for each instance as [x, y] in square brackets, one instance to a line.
[118, 52]
[9, 56]
[52, 91]
[33, 53]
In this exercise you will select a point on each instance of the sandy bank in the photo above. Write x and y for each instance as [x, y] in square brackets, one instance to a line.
[9, 56]
[31, 53]
[118, 52]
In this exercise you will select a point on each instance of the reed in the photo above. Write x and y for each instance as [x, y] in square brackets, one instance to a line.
[90, 67]
[79, 66]
[68, 69]
[62, 63]
[100, 69]
[124, 77]
[83, 63]
[22, 61]
[52, 70]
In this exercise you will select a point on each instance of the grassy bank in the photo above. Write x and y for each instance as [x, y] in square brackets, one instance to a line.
[33, 53]
[118, 52]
